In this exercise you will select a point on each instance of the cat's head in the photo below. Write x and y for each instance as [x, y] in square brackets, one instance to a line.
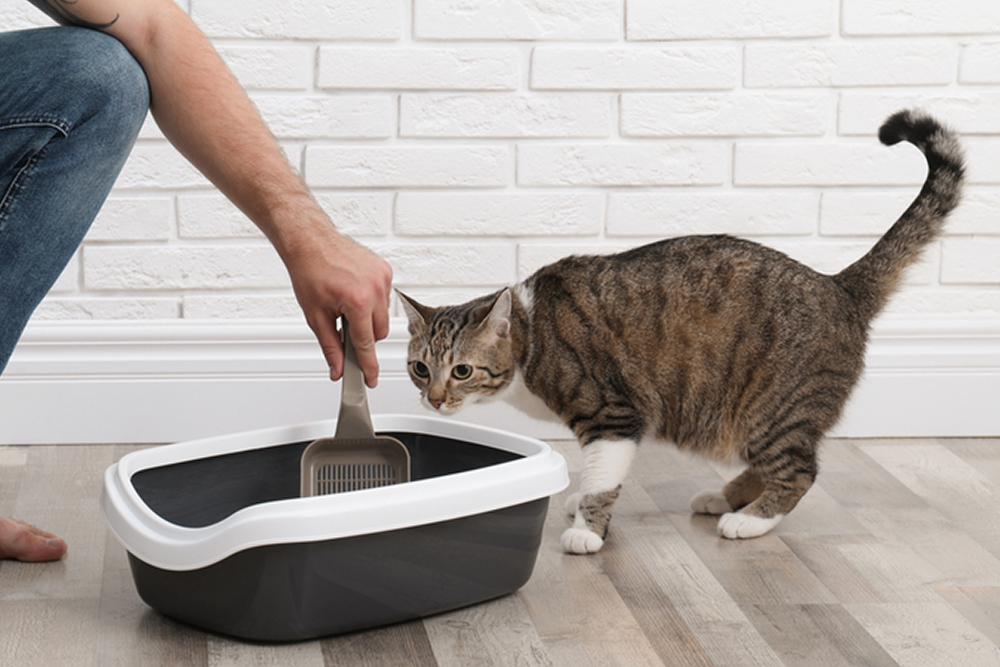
[460, 354]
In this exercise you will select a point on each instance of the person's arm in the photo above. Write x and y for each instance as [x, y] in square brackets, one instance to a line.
[203, 111]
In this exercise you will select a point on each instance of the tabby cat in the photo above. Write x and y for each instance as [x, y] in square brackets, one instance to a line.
[722, 346]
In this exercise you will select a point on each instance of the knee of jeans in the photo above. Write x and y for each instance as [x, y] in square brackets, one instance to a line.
[99, 68]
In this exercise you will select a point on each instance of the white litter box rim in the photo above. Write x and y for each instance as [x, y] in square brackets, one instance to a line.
[154, 540]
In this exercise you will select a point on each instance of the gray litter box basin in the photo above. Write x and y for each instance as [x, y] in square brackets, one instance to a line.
[218, 537]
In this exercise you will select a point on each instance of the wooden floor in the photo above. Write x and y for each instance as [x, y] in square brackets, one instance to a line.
[893, 558]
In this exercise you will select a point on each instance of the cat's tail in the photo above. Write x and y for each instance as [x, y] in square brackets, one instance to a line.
[874, 277]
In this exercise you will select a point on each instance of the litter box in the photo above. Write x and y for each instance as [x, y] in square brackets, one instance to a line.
[218, 537]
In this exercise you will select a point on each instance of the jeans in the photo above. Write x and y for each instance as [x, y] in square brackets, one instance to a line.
[72, 101]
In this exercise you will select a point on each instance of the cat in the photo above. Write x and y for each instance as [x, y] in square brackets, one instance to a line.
[722, 346]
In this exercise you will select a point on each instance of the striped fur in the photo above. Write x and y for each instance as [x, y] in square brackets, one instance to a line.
[722, 346]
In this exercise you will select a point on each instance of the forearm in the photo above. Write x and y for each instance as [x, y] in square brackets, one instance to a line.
[203, 111]
[206, 115]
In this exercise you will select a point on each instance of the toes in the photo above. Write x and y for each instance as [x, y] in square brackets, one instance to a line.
[581, 541]
[739, 526]
[710, 502]
[22, 541]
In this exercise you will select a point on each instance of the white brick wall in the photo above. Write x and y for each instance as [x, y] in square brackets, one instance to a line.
[472, 141]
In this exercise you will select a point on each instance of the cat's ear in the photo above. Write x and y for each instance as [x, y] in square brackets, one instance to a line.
[416, 313]
[497, 322]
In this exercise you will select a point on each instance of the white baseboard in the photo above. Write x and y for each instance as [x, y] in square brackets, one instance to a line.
[87, 382]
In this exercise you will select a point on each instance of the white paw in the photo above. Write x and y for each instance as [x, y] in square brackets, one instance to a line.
[573, 504]
[581, 541]
[739, 526]
[710, 502]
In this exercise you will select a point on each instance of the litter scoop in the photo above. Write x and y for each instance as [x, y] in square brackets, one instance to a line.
[354, 458]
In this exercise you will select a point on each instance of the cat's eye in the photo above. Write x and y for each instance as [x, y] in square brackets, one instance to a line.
[420, 369]
[462, 372]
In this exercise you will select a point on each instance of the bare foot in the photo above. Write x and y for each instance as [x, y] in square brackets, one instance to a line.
[22, 541]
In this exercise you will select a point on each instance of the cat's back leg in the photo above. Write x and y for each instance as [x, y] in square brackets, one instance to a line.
[605, 464]
[782, 469]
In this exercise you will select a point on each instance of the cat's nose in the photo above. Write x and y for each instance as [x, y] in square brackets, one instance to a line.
[436, 402]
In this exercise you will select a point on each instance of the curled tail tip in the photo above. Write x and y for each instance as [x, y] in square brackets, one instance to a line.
[916, 127]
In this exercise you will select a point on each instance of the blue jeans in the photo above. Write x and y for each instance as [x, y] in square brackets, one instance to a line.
[72, 101]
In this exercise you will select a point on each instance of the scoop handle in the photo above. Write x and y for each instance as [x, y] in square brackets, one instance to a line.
[355, 420]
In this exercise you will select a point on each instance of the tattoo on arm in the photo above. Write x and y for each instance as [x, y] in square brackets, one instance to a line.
[62, 12]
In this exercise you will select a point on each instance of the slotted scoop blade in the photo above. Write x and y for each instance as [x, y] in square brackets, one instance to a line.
[354, 458]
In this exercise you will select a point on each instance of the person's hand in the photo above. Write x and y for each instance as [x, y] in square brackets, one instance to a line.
[334, 276]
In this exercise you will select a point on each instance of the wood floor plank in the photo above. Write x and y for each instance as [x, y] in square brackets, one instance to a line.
[12, 462]
[133, 634]
[576, 610]
[225, 652]
[811, 635]
[926, 635]
[495, 634]
[979, 605]
[59, 492]
[649, 540]
[892, 558]
[402, 645]
[940, 552]
[854, 479]
[49, 632]
[859, 570]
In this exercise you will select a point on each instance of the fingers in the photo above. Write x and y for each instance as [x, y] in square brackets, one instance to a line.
[363, 340]
[325, 330]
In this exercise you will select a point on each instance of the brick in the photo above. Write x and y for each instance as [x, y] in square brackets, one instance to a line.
[729, 19]
[407, 166]
[313, 117]
[971, 261]
[418, 68]
[505, 115]
[150, 130]
[300, 19]
[849, 64]
[847, 213]
[445, 264]
[241, 306]
[622, 165]
[438, 296]
[69, 280]
[944, 302]
[977, 214]
[845, 163]
[664, 68]
[133, 219]
[831, 257]
[159, 165]
[358, 214]
[498, 214]
[980, 63]
[22, 15]
[151, 308]
[741, 213]
[533, 256]
[270, 67]
[981, 161]
[969, 113]
[177, 267]
[518, 19]
[920, 17]
[212, 216]
[723, 114]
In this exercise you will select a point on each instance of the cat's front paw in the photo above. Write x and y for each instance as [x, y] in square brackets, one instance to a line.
[573, 504]
[710, 502]
[740, 526]
[581, 541]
